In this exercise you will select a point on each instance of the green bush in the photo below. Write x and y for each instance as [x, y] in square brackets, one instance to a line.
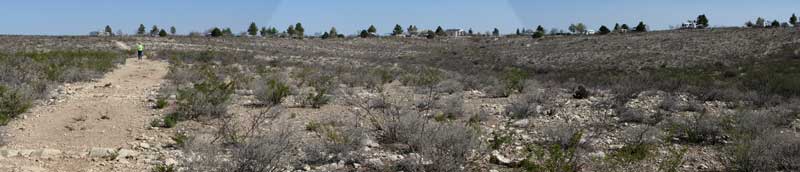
[12, 103]
[272, 92]
[209, 98]
[514, 79]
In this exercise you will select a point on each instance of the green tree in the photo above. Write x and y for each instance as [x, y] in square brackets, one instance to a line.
[333, 33]
[540, 29]
[253, 29]
[641, 27]
[775, 24]
[413, 30]
[108, 30]
[793, 20]
[617, 27]
[325, 35]
[538, 34]
[518, 32]
[372, 29]
[625, 27]
[290, 30]
[263, 32]
[398, 30]
[496, 32]
[702, 21]
[216, 32]
[227, 32]
[603, 30]
[299, 30]
[440, 31]
[155, 30]
[172, 30]
[141, 30]
[364, 34]
[760, 22]
[162, 33]
[273, 31]
[470, 32]
[430, 34]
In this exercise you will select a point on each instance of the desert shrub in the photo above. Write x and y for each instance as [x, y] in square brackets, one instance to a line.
[514, 79]
[631, 115]
[323, 85]
[525, 106]
[698, 128]
[170, 120]
[271, 91]
[446, 145]
[164, 168]
[161, 103]
[640, 142]
[772, 151]
[13, 102]
[449, 86]
[562, 153]
[581, 93]
[452, 107]
[334, 144]
[500, 138]
[206, 99]
[268, 152]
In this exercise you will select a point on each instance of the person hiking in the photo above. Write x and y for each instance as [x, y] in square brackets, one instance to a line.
[140, 49]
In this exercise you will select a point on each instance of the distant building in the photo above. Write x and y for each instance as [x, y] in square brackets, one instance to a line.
[590, 32]
[455, 32]
[691, 24]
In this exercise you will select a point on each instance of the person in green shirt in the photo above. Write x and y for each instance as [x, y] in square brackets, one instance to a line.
[140, 49]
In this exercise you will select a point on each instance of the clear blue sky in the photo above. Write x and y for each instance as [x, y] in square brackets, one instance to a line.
[73, 17]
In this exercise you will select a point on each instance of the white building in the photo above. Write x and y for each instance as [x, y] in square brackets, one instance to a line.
[455, 32]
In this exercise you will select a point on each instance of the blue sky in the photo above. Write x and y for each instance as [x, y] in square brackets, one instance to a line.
[74, 17]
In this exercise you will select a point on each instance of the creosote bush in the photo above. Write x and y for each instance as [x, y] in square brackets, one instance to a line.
[271, 91]
[13, 102]
[208, 98]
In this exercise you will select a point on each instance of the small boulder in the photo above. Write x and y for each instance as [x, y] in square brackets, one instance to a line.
[101, 152]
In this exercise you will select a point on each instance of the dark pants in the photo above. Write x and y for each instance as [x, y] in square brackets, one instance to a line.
[141, 54]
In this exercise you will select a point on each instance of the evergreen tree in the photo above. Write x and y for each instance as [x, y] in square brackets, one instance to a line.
[227, 32]
[412, 30]
[398, 30]
[470, 32]
[702, 21]
[538, 34]
[749, 24]
[326, 35]
[518, 32]
[172, 30]
[154, 31]
[573, 28]
[264, 32]
[496, 32]
[162, 33]
[793, 20]
[431, 34]
[372, 29]
[273, 31]
[540, 29]
[440, 31]
[775, 24]
[760, 22]
[253, 29]
[364, 34]
[603, 30]
[641, 27]
[333, 33]
[141, 30]
[625, 27]
[108, 30]
[290, 30]
[216, 32]
[299, 30]
[616, 27]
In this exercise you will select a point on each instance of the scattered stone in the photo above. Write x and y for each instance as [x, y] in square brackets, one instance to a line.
[523, 123]
[47, 153]
[101, 152]
[126, 153]
[497, 158]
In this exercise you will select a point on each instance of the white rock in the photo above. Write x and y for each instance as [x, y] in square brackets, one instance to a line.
[126, 153]
[47, 153]
[523, 123]
[100, 152]
[500, 159]
[170, 161]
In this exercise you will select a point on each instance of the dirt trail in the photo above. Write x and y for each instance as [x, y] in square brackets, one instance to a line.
[112, 113]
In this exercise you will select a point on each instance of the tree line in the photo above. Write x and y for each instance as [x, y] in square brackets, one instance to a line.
[298, 31]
